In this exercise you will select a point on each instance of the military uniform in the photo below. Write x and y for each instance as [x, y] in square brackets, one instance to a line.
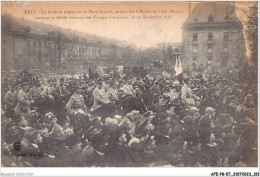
[61, 90]
[112, 94]
[174, 98]
[34, 93]
[10, 101]
[127, 89]
[105, 87]
[61, 96]
[187, 96]
[75, 103]
[57, 132]
[99, 99]
[46, 92]
[23, 103]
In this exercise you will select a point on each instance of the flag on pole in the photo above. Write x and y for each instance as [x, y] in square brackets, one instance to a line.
[178, 66]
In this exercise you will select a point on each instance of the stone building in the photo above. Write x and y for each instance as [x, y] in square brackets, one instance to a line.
[213, 35]
[31, 45]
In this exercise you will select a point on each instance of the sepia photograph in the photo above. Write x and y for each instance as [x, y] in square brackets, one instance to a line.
[129, 84]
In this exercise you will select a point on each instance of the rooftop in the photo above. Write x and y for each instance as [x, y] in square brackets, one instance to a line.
[212, 12]
[21, 25]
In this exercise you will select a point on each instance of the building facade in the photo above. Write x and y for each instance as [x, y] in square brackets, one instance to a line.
[30, 45]
[213, 35]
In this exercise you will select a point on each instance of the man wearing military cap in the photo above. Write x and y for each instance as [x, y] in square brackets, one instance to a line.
[127, 88]
[23, 105]
[187, 96]
[10, 101]
[61, 89]
[76, 102]
[35, 91]
[112, 92]
[100, 98]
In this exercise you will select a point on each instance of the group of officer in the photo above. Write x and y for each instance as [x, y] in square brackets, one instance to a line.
[149, 121]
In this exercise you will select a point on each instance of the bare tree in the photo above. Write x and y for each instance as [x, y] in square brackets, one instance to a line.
[252, 31]
[162, 48]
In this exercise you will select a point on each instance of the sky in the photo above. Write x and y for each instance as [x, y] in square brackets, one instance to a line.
[144, 32]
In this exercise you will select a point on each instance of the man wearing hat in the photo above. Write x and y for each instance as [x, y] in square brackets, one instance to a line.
[46, 91]
[127, 89]
[10, 101]
[129, 122]
[210, 112]
[76, 102]
[112, 92]
[47, 99]
[105, 85]
[61, 95]
[61, 89]
[100, 98]
[31, 142]
[206, 129]
[174, 94]
[187, 96]
[194, 111]
[11, 132]
[35, 92]
[23, 105]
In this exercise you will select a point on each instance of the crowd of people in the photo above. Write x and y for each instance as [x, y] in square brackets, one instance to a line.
[205, 118]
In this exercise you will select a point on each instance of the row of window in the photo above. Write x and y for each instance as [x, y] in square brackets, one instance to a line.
[87, 64]
[91, 52]
[211, 18]
[226, 36]
[209, 48]
[224, 61]
[65, 55]
[195, 58]
[209, 60]
[39, 44]
[49, 43]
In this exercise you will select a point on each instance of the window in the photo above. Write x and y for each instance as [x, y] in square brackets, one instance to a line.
[195, 37]
[210, 18]
[226, 36]
[195, 48]
[210, 48]
[194, 60]
[34, 43]
[40, 44]
[195, 19]
[29, 43]
[209, 60]
[225, 48]
[210, 36]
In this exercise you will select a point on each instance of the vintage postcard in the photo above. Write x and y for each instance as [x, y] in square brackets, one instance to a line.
[129, 84]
